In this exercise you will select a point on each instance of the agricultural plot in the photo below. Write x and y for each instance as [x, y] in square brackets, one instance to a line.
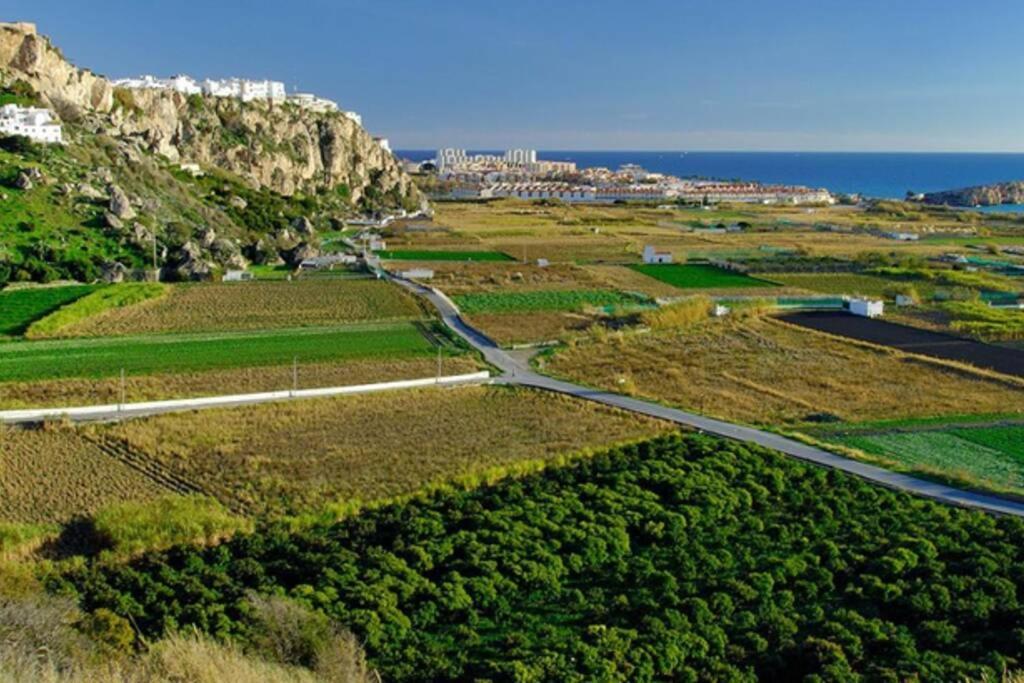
[255, 306]
[106, 357]
[459, 278]
[986, 457]
[53, 475]
[698, 276]
[841, 283]
[529, 328]
[544, 300]
[298, 456]
[442, 255]
[764, 372]
[19, 308]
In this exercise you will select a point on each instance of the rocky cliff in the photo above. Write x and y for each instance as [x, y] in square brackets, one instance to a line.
[981, 195]
[279, 147]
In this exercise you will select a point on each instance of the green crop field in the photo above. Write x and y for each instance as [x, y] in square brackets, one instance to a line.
[439, 255]
[698, 276]
[546, 300]
[19, 308]
[988, 457]
[842, 283]
[105, 357]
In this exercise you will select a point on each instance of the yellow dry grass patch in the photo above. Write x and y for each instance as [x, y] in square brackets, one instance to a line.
[763, 372]
[301, 455]
[530, 328]
[458, 278]
[157, 387]
[254, 306]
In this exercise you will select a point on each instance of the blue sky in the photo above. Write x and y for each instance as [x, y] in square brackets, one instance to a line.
[901, 75]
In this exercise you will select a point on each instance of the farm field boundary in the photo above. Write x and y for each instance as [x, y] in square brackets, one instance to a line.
[117, 411]
[913, 340]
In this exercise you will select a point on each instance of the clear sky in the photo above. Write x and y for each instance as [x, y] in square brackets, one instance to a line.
[900, 75]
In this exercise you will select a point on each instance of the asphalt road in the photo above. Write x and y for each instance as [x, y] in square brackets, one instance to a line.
[520, 374]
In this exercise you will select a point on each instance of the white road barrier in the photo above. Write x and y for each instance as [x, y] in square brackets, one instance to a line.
[116, 411]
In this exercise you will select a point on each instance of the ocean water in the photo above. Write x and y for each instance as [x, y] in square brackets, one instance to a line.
[885, 175]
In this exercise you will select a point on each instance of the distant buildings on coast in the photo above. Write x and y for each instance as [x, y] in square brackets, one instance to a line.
[33, 123]
[519, 173]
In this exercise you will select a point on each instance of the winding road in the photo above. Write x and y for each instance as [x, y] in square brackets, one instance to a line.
[515, 372]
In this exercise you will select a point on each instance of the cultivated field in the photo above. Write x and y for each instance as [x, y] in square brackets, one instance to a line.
[442, 255]
[460, 278]
[106, 357]
[255, 306]
[55, 474]
[838, 283]
[765, 372]
[546, 300]
[698, 276]
[19, 308]
[297, 455]
[163, 385]
[528, 328]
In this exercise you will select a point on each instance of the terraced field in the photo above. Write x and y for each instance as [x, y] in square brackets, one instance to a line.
[19, 308]
[698, 276]
[841, 283]
[256, 305]
[55, 474]
[442, 255]
[297, 455]
[106, 357]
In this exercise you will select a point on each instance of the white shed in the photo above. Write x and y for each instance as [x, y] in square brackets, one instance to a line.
[237, 276]
[868, 308]
[652, 255]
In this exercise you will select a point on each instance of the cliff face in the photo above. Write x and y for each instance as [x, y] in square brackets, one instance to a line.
[274, 146]
[981, 195]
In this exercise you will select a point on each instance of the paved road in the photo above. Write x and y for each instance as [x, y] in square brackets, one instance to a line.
[518, 373]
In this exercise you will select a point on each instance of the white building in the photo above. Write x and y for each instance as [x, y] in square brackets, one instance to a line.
[245, 90]
[652, 255]
[540, 190]
[521, 156]
[868, 308]
[354, 117]
[179, 83]
[449, 156]
[35, 124]
[384, 143]
[311, 102]
[237, 276]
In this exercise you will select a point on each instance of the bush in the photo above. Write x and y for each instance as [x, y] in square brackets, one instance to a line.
[683, 313]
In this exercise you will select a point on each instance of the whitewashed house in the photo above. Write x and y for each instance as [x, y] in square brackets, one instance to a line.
[36, 124]
[652, 255]
[311, 102]
[867, 308]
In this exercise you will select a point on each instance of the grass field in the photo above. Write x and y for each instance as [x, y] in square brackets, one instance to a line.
[760, 371]
[698, 276]
[462, 277]
[251, 379]
[442, 255]
[55, 474]
[545, 300]
[1008, 440]
[105, 357]
[19, 308]
[843, 283]
[300, 455]
[528, 328]
[92, 304]
[255, 306]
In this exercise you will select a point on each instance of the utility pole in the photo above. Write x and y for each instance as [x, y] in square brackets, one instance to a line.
[295, 374]
[439, 363]
[120, 406]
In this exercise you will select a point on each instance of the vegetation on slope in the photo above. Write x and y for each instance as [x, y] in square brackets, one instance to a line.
[95, 303]
[683, 558]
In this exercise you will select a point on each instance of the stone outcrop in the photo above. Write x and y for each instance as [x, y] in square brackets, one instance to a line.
[277, 146]
[120, 205]
[981, 195]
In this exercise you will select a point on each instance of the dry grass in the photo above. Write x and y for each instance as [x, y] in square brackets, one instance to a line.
[303, 455]
[254, 306]
[530, 328]
[55, 474]
[459, 278]
[233, 381]
[759, 371]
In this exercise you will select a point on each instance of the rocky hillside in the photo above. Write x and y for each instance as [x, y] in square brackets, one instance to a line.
[272, 178]
[981, 195]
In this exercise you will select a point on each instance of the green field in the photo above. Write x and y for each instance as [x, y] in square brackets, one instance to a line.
[19, 308]
[698, 276]
[841, 283]
[547, 300]
[987, 456]
[105, 357]
[439, 255]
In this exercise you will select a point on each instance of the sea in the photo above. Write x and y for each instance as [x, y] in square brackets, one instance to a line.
[886, 175]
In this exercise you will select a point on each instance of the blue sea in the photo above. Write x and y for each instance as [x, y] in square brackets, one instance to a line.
[883, 175]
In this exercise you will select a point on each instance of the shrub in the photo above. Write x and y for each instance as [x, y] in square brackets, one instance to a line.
[683, 313]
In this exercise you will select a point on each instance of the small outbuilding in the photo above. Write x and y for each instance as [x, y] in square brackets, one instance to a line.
[237, 276]
[652, 255]
[867, 308]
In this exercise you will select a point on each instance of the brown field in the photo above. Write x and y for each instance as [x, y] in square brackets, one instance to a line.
[55, 474]
[234, 381]
[458, 278]
[765, 372]
[530, 328]
[254, 306]
[297, 455]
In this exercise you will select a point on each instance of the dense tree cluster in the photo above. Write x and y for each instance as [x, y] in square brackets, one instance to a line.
[684, 558]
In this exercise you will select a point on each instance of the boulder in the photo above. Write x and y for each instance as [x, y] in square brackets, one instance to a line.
[142, 237]
[207, 236]
[27, 178]
[238, 202]
[120, 205]
[113, 272]
[89, 192]
[303, 226]
[303, 251]
[112, 221]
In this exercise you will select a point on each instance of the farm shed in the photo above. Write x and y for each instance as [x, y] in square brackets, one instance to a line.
[652, 255]
[868, 308]
[237, 276]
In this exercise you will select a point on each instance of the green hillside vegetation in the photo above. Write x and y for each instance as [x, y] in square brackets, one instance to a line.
[981, 320]
[19, 308]
[685, 558]
[105, 299]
